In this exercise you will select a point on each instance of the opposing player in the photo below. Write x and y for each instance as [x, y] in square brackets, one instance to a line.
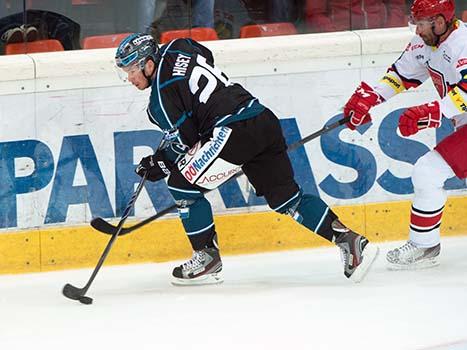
[439, 51]
[213, 126]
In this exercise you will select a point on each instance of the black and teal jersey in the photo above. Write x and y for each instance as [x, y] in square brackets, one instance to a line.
[190, 95]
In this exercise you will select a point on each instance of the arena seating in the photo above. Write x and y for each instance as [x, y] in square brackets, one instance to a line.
[198, 34]
[267, 29]
[33, 47]
[103, 41]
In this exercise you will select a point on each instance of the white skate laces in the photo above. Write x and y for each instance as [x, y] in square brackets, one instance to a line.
[407, 249]
[195, 262]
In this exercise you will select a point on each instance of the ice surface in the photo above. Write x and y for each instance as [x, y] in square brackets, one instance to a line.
[287, 300]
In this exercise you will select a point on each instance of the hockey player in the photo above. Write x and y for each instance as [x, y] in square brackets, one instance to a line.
[439, 51]
[214, 127]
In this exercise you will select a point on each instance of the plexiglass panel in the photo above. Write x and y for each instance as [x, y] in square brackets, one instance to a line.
[53, 25]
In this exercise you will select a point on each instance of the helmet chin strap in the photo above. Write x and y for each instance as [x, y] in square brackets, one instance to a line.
[148, 77]
[438, 36]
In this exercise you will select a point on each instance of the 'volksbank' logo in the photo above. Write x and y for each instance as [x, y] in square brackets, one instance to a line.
[207, 154]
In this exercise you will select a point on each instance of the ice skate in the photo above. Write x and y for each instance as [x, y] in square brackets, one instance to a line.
[357, 253]
[411, 257]
[205, 267]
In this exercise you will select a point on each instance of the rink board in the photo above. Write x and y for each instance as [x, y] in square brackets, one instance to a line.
[163, 240]
[72, 133]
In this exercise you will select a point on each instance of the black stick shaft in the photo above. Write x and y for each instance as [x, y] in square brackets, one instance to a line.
[127, 211]
[316, 134]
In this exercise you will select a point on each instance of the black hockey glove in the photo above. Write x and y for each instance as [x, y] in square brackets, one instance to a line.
[156, 166]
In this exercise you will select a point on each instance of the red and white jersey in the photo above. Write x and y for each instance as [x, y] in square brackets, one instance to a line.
[445, 64]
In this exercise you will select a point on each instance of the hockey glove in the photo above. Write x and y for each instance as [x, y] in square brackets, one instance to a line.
[156, 166]
[359, 104]
[420, 117]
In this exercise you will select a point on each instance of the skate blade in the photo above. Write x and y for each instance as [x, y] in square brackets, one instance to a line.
[420, 265]
[212, 278]
[369, 256]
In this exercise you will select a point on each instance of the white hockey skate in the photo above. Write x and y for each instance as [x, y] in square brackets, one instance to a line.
[204, 267]
[357, 255]
[411, 257]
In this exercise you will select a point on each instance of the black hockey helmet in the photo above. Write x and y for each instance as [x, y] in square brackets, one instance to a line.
[137, 49]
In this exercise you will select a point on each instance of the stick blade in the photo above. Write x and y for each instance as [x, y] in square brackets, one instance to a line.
[72, 292]
[103, 226]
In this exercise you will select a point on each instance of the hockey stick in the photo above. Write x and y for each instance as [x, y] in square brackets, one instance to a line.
[105, 227]
[76, 293]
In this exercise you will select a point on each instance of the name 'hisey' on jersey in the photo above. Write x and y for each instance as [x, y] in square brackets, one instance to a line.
[191, 96]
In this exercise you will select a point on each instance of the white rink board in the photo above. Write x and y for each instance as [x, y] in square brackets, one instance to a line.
[70, 128]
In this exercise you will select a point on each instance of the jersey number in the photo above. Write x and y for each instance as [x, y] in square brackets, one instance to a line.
[212, 74]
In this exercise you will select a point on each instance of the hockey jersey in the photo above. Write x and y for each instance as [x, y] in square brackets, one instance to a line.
[445, 64]
[190, 96]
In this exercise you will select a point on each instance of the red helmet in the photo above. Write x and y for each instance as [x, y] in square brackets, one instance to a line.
[430, 8]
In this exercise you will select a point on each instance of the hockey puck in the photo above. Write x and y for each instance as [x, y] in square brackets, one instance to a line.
[85, 300]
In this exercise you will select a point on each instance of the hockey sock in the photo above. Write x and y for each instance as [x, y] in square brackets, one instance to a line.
[425, 226]
[196, 215]
[198, 223]
[313, 213]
